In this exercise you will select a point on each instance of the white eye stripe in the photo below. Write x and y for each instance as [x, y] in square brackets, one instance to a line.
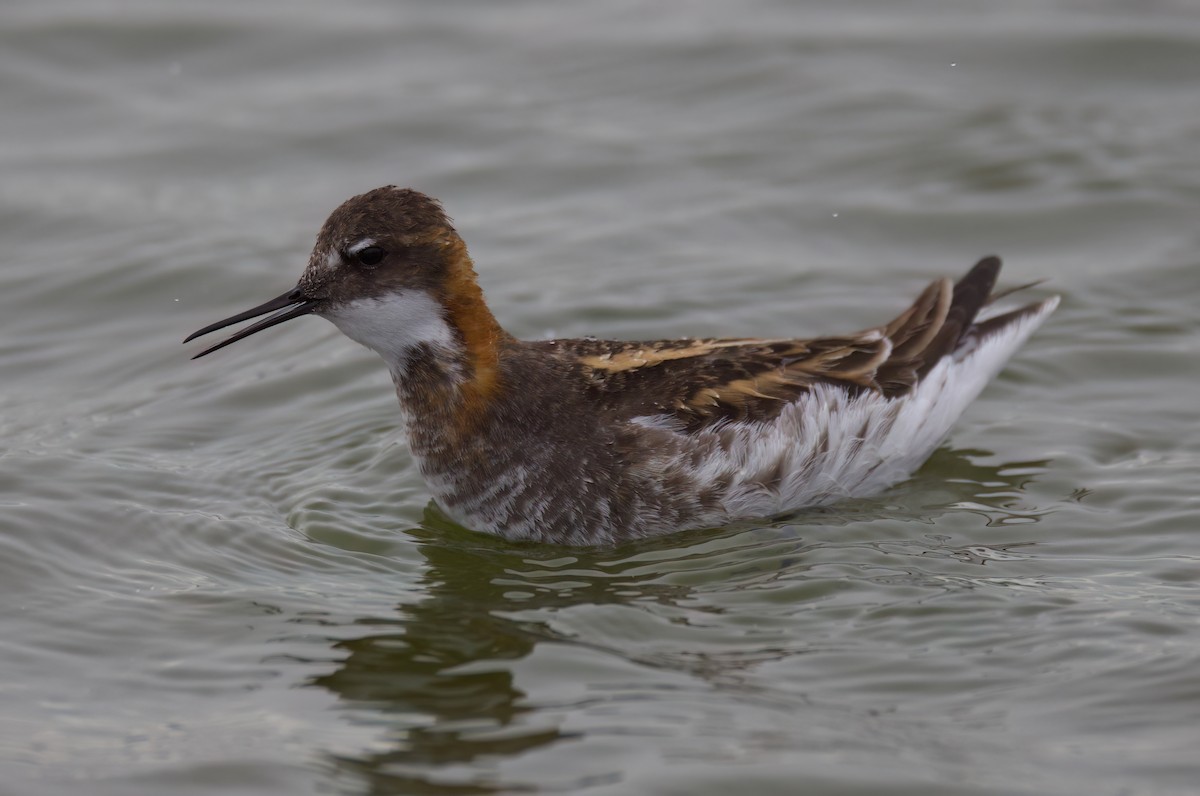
[365, 243]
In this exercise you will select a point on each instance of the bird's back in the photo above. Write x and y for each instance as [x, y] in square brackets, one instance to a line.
[651, 437]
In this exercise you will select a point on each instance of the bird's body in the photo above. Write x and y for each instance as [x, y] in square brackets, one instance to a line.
[594, 442]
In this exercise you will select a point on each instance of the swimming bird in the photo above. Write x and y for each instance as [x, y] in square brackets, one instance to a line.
[595, 442]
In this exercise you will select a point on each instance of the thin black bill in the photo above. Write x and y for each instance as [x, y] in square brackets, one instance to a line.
[292, 304]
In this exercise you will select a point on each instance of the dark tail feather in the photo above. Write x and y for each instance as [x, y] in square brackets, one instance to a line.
[971, 294]
[1008, 291]
[939, 321]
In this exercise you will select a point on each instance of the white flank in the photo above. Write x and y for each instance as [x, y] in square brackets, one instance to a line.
[392, 326]
[828, 445]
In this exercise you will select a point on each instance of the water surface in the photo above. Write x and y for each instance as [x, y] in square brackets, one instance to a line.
[225, 576]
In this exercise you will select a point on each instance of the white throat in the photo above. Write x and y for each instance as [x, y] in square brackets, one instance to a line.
[394, 325]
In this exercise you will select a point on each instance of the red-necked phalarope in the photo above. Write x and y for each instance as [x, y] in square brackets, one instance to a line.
[593, 441]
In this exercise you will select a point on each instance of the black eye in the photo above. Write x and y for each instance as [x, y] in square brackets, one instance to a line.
[372, 255]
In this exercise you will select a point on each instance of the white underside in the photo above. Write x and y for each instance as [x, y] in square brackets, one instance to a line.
[829, 445]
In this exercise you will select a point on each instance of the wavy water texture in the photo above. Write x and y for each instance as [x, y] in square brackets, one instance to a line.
[225, 576]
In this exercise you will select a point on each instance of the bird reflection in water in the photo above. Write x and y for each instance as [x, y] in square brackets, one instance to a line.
[438, 677]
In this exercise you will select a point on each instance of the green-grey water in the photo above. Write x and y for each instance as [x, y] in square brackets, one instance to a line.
[225, 576]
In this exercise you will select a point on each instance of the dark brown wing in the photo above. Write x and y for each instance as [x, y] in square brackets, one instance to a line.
[699, 382]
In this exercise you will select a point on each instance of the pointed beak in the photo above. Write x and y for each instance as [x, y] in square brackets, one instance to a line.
[292, 304]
